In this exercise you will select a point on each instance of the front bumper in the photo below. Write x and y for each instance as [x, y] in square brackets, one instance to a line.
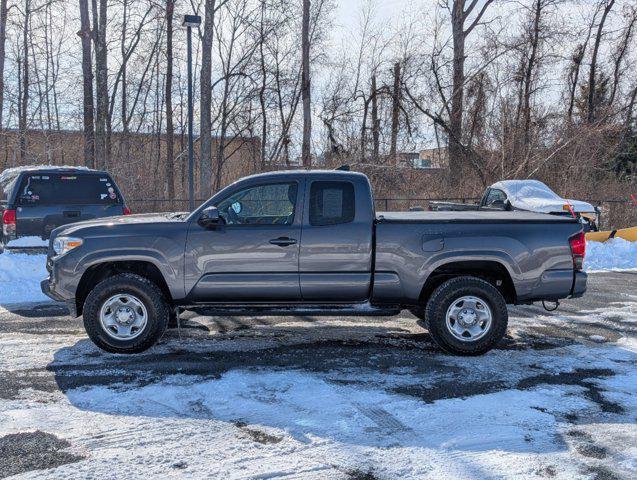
[45, 286]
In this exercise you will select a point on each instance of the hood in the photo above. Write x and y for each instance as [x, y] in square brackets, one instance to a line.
[543, 205]
[580, 206]
[114, 222]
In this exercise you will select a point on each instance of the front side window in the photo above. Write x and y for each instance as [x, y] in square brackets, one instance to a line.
[271, 204]
[331, 203]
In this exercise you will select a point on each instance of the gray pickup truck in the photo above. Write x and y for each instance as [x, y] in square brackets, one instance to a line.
[310, 241]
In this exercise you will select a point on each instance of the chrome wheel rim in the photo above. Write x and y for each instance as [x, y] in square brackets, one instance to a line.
[469, 318]
[123, 317]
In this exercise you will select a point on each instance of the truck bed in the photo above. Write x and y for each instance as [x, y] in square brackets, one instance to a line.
[470, 216]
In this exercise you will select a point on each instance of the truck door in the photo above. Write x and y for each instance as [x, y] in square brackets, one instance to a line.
[336, 247]
[254, 257]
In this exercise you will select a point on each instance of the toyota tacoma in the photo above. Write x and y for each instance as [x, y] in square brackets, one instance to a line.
[311, 241]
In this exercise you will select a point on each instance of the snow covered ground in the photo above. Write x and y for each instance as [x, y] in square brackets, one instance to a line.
[28, 242]
[20, 276]
[341, 398]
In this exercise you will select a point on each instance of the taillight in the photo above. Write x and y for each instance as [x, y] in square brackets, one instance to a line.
[8, 223]
[8, 217]
[578, 249]
[127, 211]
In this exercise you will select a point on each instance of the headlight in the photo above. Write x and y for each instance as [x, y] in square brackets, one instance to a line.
[62, 245]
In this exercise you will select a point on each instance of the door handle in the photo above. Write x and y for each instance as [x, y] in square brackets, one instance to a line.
[283, 241]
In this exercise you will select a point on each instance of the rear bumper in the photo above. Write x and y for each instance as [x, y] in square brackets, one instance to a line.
[579, 284]
[555, 285]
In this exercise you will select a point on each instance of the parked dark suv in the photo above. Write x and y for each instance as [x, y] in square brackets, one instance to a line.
[34, 200]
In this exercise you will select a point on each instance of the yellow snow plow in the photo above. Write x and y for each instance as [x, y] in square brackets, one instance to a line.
[629, 234]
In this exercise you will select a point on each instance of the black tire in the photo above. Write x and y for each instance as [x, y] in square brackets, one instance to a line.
[158, 312]
[449, 292]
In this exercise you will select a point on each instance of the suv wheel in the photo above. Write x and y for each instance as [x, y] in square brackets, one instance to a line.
[125, 313]
[467, 316]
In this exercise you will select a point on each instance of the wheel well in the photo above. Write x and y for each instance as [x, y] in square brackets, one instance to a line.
[493, 272]
[96, 273]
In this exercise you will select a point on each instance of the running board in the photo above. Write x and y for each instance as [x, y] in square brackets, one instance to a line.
[363, 309]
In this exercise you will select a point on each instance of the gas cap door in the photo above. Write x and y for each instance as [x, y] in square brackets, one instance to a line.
[433, 243]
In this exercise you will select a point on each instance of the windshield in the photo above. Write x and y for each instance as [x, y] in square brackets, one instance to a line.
[533, 190]
[69, 189]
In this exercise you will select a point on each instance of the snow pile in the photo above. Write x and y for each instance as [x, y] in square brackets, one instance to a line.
[20, 276]
[615, 254]
[28, 242]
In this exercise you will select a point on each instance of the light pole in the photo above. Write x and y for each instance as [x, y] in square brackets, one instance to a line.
[189, 22]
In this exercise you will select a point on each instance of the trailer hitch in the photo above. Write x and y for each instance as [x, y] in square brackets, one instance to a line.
[557, 304]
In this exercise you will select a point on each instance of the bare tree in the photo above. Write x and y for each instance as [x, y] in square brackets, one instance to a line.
[170, 131]
[24, 91]
[306, 86]
[622, 50]
[87, 84]
[461, 11]
[395, 112]
[375, 121]
[102, 146]
[3, 41]
[592, 78]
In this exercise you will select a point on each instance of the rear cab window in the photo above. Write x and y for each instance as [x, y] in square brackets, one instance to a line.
[331, 203]
[68, 189]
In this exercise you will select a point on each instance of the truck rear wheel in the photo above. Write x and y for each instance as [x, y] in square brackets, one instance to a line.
[125, 313]
[466, 316]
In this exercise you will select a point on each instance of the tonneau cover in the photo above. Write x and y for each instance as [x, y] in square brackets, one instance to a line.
[471, 216]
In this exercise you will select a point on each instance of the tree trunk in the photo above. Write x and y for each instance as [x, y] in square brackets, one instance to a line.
[24, 100]
[457, 94]
[592, 78]
[305, 86]
[87, 77]
[205, 103]
[170, 131]
[376, 121]
[364, 129]
[262, 88]
[622, 49]
[3, 39]
[101, 83]
[124, 112]
[528, 74]
[395, 111]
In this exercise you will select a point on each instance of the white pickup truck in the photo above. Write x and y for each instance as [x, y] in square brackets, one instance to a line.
[528, 196]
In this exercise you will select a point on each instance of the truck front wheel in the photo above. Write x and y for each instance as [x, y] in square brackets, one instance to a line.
[466, 316]
[125, 313]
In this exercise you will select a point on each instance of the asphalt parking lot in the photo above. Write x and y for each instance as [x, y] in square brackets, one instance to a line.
[304, 397]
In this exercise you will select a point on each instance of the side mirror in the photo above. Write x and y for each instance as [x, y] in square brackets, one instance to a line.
[210, 217]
